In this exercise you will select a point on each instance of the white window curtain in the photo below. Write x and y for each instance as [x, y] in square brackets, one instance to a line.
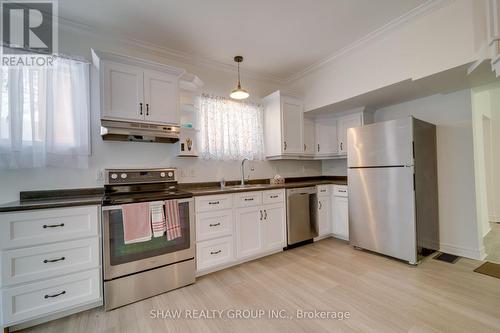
[44, 115]
[230, 130]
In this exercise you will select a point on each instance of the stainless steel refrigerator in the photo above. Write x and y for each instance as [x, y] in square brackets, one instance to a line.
[393, 194]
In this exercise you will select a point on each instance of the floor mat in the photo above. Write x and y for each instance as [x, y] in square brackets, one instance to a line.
[489, 268]
[446, 257]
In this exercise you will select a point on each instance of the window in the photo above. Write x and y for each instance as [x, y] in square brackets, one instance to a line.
[44, 115]
[230, 130]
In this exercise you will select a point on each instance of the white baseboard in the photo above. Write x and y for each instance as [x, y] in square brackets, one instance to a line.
[477, 254]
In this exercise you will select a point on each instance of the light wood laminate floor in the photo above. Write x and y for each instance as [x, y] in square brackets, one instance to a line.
[381, 294]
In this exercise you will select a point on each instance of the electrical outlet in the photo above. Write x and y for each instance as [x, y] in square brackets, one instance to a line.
[100, 176]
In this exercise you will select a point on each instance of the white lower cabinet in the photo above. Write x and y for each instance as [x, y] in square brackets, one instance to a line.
[50, 263]
[46, 297]
[324, 217]
[248, 233]
[340, 210]
[214, 252]
[254, 226]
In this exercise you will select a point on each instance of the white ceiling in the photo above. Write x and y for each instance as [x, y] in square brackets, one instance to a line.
[276, 37]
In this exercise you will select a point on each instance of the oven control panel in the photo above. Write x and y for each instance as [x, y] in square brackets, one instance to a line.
[137, 176]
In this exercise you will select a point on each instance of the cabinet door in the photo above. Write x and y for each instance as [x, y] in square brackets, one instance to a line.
[122, 92]
[324, 216]
[248, 233]
[309, 136]
[292, 123]
[273, 227]
[326, 137]
[161, 97]
[344, 124]
[341, 217]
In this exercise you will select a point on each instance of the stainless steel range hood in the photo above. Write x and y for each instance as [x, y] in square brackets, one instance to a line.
[139, 132]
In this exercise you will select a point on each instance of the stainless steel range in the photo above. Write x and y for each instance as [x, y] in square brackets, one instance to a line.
[138, 270]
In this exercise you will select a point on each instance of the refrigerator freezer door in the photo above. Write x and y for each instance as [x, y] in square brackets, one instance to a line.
[388, 143]
[382, 211]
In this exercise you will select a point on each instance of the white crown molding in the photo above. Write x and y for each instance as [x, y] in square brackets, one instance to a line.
[182, 57]
[425, 8]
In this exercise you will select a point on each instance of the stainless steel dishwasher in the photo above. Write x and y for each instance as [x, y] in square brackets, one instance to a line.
[302, 217]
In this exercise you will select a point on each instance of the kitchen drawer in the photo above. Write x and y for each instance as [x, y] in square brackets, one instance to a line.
[248, 199]
[46, 261]
[214, 252]
[340, 190]
[323, 189]
[33, 300]
[216, 224]
[274, 196]
[42, 226]
[213, 202]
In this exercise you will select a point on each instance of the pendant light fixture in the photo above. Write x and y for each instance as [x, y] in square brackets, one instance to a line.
[239, 93]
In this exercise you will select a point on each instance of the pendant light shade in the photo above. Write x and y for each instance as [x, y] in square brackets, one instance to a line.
[239, 93]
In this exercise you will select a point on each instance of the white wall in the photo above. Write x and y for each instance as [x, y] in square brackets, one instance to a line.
[444, 38]
[452, 113]
[124, 154]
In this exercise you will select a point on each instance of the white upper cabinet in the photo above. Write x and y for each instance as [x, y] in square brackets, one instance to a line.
[137, 90]
[122, 91]
[292, 122]
[326, 137]
[283, 125]
[309, 136]
[344, 123]
[161, 91]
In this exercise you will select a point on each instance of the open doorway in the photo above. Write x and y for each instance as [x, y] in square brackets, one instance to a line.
[486, 137]
[491, 229]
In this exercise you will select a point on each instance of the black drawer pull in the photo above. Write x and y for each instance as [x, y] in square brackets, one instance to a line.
[55, 295]
[215, 224]
[45, 226]
[248, 199]
[342, 191]
[274, 196]
[53, 260]
[213, 202]
[216, 252]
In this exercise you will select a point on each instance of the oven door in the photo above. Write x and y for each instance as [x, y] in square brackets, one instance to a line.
[123, 259]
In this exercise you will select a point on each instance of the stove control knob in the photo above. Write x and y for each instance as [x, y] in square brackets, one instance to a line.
[123, 175]
[162, 174]
[170, 173]
[114, 176]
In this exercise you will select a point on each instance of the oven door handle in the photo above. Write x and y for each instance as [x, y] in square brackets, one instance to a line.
[119, 207]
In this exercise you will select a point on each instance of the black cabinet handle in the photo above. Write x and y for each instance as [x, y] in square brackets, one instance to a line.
[215, 224]
[318, 147]
[53, 260]
[341, 146]
[273, 196]
[320, 204]
[265, 214]
[284, 148]
[55, 295]
[261, 216]
[213, 202]
[248, 199]
[305, 147]
[140, 108]
[216, 252]
[147, 109]
[45, 226]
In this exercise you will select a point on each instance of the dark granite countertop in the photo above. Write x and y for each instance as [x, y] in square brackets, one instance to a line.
[93, 196]
[54, 199]
[211, 188]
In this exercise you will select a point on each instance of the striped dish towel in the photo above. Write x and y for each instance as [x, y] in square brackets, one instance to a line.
[173, 222]
[157, 218]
